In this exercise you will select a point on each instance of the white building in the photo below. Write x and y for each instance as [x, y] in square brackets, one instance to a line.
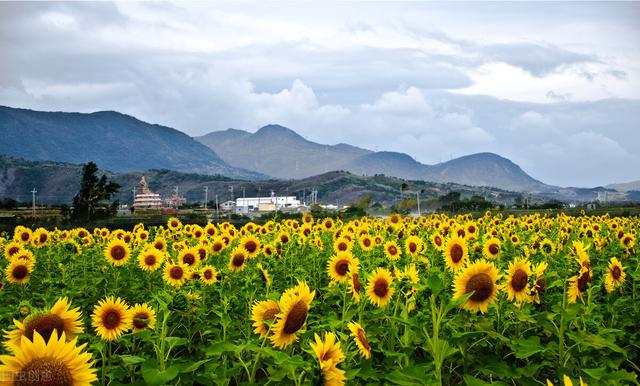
[250, 204]
[228, 206]
[146, 199]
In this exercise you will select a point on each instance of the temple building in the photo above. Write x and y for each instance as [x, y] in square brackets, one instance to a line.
[146, 199]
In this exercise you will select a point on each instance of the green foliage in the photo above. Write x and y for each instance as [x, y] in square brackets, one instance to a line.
[93, 192]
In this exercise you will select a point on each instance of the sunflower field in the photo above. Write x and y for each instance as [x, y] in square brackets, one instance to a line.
[435, 300]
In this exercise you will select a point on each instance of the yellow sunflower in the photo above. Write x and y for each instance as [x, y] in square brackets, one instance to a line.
[174, 224]
[539, 283]
[547, 248]
[413, 245]
[159, 243]
[19, 271]
[355, 287]
[59, 318]
[238, 259]
[579, 284]
[22, 234]
[342, 245]
[438, 241]
[11, 249]
[517, 285]
[366, 243]
[251, 245]
[392, 250]
[176, 274]
[360, 337]
[150, 259]
[491, 249]
[294, 307]
[262, 313]
[327, 351]
[24, 254]
[615, 275]
[111, 317]
[208, 275]
[480, 279]
[379, 290]
[189, 257]
[143, 317]
[456, 253]
[52, 362]
[117, 252]
[338, 266]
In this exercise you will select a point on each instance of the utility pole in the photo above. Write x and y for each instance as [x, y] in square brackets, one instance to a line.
[33, 199]
[231, 190]
[217, 208]
[418, 201]
[206, 192]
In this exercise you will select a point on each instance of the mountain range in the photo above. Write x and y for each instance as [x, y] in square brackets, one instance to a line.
[114, 141]
[121, 143]
[281, 152]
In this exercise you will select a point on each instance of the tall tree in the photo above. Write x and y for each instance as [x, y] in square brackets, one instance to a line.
[93, 191]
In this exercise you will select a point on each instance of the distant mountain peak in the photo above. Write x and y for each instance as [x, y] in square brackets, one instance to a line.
[274, 129]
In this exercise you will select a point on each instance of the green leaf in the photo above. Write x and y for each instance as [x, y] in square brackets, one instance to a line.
[524, 348]
[220, 347]
[435, 284]
[598, 342]
[194, 366]
[132, 359]
[154, 377]
[473, 381]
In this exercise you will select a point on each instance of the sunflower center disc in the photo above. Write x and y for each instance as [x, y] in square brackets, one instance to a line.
[13, 251]
[519, 280]
[356, 283]
[540, 283]
[238, 260]
[250, 246]
[20, 272]
[366, 242]
[24, 237]
[472, 229]
[118, 252]
[616, 273]
[140, 320]
[493, 249]
[176, 273]
[583, 281]
[189, 259]
[270, 314]
[150, 260]
[413, 247]
[44, 372]
[380, 288]
[342, 267]
[481, 286]
[111, 319]
[393, 250]
[362, 338]
[296, 318]
[208, 275]
[44, 324]
[456, 253]
[217, 247]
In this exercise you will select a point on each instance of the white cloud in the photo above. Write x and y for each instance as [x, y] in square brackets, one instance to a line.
[367, 74]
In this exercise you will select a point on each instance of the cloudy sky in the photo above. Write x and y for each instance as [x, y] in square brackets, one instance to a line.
[555, 87]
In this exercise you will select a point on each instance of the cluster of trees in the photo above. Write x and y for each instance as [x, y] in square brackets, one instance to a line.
[90, 202]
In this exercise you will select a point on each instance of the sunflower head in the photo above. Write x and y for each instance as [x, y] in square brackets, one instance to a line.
[392, 250]
[150, 259]
[517, 285]
[176, 274]
[456, 253]
[111, 317]
[238, 258]
[360, 337]
[19, 271]
[117, 252]
[479, 280]
[379, 290]
[491, 248]
[52, 362]
[262, 313]
[294, 307]
[338, 266]
[143, 317]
